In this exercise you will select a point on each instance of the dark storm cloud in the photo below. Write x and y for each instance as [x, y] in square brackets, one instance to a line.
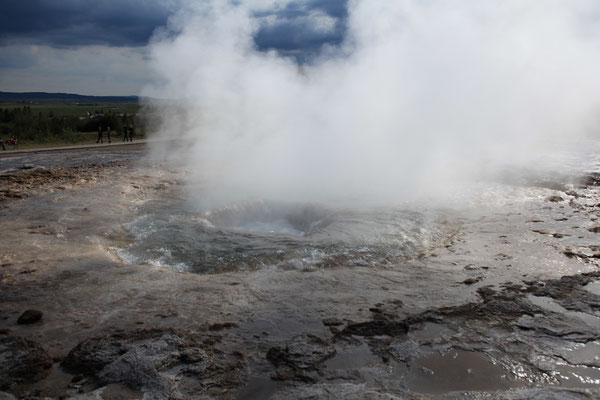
[296, 27]
[303, 27]
[79, 22]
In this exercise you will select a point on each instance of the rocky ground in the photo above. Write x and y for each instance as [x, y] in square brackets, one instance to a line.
[508, 307]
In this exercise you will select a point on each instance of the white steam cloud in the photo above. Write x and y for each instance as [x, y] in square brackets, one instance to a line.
[419, 93]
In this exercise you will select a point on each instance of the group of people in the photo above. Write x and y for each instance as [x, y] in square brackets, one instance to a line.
[127, 134]
[13, 141]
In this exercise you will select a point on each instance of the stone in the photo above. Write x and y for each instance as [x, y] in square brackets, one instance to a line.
[160, 363]
[554, 199]
[30, 317]
[22, 361]
[300, 358]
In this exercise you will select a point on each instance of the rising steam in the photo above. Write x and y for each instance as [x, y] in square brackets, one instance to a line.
[419, 94]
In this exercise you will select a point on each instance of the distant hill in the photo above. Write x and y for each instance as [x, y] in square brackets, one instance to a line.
[43, 97]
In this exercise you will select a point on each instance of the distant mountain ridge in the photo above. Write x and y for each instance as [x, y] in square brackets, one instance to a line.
[46, 97]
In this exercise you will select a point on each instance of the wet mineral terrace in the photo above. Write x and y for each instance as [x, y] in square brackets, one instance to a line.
[502, 299]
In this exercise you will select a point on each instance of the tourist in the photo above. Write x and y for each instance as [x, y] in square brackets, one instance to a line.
[14, 142]
[131, 134]
[125, 134]
[2, 144]
[99, 140]
[108, 133]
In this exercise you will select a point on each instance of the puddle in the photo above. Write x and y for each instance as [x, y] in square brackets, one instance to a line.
[577, 376]
[258, 387]
[354, 358]
[430, 332]
[458, 370]
[593, 287]
[587, 354]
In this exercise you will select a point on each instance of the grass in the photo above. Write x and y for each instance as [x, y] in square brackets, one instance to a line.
[67, 109]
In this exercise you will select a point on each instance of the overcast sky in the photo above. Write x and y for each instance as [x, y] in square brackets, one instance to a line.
[100, 47]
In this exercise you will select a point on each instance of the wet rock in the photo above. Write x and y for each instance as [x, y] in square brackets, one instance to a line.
[30, 317]
[301, 358]
[486, 292]
[506, 308]
[594, 229]
[559, 327]
[592, 179]
[541, 231]
[139, 368]
[554, 199]
[376, 328]
[568, 291]
[332, 322]
[159, 363]
[573, 193]
[404, 350]
[470, 281]
[221, 326]
[22, 361]
[336, 391]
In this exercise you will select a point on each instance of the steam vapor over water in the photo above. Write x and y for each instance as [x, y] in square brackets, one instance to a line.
[419, 94]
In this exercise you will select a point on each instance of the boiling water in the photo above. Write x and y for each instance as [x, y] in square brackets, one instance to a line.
[264, 234]
[173, 232]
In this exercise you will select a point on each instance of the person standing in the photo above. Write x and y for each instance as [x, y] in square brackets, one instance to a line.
[131, 134]
[99, 140]
[2, 144]
[108, 133]
[125, 133]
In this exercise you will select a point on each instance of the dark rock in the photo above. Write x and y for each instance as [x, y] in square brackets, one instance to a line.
[486, 292]
[332, 322]
[592, 179]
[470, 281]
[376, 328]
[594, 229]
[506, 308]
[404, 351]
[22, 361]
[554, 199]
[573, 193]
[30, 317]
[156, 362]
[300, 358]
[221, 326]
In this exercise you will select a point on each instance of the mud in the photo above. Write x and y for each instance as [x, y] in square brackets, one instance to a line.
[508, 307]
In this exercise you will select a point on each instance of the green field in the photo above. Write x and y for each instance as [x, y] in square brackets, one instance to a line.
[64, 123]
[75, 110]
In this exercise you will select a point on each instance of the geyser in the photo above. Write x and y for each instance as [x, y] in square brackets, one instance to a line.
[419, 96]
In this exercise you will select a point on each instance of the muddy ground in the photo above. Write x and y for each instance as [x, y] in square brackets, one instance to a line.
[507, 307]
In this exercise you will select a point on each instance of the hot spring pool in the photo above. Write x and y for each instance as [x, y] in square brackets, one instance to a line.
[263, 234]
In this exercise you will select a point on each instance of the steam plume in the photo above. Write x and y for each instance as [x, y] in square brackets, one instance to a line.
[419, 93]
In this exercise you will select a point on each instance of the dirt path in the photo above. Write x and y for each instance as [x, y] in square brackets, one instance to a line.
[117, 145]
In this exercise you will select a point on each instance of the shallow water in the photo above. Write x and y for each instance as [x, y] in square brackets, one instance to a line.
[459, 370]
[174, 232]
[265, 234]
